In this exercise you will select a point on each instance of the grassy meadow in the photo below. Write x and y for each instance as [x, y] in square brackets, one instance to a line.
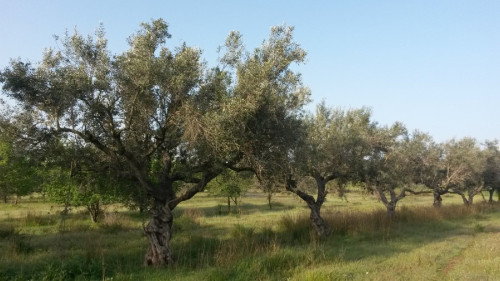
[256, 242]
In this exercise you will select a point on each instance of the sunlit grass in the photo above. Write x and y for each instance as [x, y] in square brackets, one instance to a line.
[258, 243]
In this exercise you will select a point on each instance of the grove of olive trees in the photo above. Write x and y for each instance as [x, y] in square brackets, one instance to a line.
[154, 125]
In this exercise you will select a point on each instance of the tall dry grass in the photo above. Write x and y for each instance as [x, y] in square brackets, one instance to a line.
[297, 227]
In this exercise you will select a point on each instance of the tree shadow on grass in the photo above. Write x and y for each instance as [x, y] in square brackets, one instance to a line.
[246, 254]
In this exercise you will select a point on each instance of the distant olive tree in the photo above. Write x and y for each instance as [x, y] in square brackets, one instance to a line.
[270, 188]
[231, 185]
[333, 147]
[394, 167]
[455, 167]
[79, 176]
[18, 172]
[491, 173]
[464, 164]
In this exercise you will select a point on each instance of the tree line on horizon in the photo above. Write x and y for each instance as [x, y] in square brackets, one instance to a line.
[153, 126]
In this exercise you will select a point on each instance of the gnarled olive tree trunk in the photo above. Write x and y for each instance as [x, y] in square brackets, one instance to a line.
[390, 205]
[391, 209]
[437, 192]
[468, 198]
[468, 201]
[159, 232]
[437, 199]
[491, 191]
[317, 222]
[159, 228]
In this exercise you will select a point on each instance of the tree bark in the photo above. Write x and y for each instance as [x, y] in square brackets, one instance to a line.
[391, 210]
[390, 205]
[94, 211]
[159, 233]
[159, 229]
[471, 199]
[317, 221]
[437, 199]
[467, 202]
[490, 200]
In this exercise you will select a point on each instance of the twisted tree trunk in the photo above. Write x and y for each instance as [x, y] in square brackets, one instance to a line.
[437, 199]
[467, 201]
[159, 233]
[314, 205]
[390, 205]
[391, 210]
[159, 229]
[317, 221]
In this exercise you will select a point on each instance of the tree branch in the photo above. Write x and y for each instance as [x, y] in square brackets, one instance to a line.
[291, 185]
[419, 192]
[200, 186]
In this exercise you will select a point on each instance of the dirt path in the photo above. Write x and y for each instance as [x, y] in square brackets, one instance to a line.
[456, 259]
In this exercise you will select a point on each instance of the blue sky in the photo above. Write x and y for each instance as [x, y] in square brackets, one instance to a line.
[433, 65]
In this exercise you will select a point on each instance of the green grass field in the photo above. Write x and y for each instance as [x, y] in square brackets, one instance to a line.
[257, 243]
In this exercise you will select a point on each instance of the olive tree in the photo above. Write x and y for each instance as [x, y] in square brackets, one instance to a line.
[270, 188]
[76, 174]
[174, 122]
[454, 167]
[463, 163]
[18, 173]
[457, 167]
[231, 185]
[334, 146]
[491, 173]
[429, 169]
[260, 125]
[396, 164]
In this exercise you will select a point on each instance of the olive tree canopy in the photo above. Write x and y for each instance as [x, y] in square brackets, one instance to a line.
[176, 123]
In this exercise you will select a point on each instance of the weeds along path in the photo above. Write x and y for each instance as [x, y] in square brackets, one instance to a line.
[478, 261]
[462, 245]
